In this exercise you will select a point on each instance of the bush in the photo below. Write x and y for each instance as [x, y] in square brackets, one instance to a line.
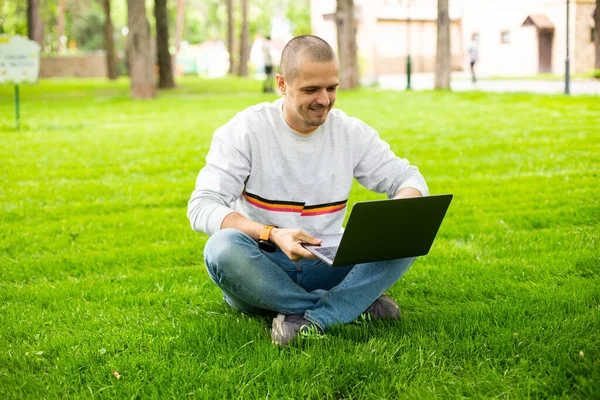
[596, 73]
[88, 30]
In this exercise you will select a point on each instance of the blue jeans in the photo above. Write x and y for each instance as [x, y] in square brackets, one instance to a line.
[253, 281]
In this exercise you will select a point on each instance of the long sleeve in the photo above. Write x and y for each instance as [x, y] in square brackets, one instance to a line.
[221, 181]
[379, 169]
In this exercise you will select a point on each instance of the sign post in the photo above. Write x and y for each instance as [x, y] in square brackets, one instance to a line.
[17, 105]
[19, 62]
[567, 60]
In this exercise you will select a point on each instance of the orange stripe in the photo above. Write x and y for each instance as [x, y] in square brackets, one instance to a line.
[273, 207]
[324, 210]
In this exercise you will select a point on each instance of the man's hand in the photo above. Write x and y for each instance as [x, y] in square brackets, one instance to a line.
[289, 241]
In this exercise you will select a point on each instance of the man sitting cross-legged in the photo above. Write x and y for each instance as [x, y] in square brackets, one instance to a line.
[280, 174]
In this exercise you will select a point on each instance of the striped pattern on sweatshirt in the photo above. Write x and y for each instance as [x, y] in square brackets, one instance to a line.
[294, 207]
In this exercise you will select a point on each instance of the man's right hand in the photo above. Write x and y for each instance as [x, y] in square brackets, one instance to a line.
[290, 242]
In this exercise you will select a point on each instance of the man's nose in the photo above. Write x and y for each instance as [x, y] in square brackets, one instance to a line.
[323, 97]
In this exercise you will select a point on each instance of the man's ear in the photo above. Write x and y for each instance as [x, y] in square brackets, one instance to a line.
[280, 83]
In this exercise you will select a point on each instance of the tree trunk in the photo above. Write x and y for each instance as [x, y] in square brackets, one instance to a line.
[109, 42]
[230, 36]
[179, 24]
[443, 60]
[347, 47]
[139, 51]
[60, 26]
[165, 67]
[244, 41]
[35, 26]
[597, 33]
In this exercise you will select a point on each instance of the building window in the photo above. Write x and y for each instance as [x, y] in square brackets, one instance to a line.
[505, 37]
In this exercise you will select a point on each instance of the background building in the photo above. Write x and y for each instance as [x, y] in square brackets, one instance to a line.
[513, 37]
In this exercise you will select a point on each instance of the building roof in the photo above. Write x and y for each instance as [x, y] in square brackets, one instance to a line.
[539, 21]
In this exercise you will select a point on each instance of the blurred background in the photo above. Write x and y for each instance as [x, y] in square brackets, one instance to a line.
[380, 42]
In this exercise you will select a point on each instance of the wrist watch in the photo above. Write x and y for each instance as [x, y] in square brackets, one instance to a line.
[264, 240]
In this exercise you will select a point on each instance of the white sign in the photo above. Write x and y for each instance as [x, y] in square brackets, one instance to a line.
[19, 59]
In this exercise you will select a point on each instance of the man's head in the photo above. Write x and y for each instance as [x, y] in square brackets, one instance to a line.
[308, 81]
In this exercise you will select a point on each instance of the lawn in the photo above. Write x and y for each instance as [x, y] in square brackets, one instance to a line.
[101, 272]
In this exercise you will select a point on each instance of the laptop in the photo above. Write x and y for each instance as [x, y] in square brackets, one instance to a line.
[385, 230]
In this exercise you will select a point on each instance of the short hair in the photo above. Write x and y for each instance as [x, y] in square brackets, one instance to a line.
[301, 47]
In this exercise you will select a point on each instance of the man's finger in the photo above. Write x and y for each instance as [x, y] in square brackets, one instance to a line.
[306, 238]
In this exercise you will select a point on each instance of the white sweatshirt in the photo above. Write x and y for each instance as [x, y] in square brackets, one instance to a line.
[260, 167]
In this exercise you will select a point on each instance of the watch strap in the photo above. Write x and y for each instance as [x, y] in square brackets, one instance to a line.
[266, 232]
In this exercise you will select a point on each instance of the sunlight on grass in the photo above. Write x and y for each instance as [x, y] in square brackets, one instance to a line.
[100, 271]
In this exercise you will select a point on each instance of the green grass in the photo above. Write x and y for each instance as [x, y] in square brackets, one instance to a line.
[100, 271]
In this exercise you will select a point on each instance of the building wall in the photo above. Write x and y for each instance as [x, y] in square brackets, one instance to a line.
[584, 52]
[391, 55]
[520, 56]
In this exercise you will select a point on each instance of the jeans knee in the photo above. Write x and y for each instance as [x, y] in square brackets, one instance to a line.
[226, 252]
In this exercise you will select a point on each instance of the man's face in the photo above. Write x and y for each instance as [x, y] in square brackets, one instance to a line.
[309, 97]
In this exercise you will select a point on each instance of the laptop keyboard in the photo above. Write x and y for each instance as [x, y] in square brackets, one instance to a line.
[328, 252]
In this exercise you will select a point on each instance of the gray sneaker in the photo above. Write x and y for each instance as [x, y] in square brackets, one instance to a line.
[384, 307]
[287, 327]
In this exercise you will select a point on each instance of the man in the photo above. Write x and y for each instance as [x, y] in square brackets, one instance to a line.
[281, 173]
[268, 59]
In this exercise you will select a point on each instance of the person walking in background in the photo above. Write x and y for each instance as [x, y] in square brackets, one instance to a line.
[280, 174]
[268, 61]
[473, 56]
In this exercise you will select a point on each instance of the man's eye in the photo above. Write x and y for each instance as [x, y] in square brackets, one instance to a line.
[332, 89]
[310, 90]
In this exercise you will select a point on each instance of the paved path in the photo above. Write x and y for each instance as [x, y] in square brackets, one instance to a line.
[461, 82]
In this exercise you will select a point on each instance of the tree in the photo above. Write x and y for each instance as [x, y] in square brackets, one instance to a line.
[443, 61]
[88, 27]
[347, 47]
[139, 54]
[35, 25]
[299, 13]
[14, 21]
[230, 36]
[244, 41]
[597, 33]
[165, 66]
[179, 24]
[109, 42]
[60, 26]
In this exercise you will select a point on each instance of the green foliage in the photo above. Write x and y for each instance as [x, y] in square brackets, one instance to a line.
[204, 20]
[596, 73]
[13, 17]
[299, 14]
[100, 271]
[259, 15]
[88, 29]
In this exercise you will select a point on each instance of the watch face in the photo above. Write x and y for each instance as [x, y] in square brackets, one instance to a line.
[266, 245]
